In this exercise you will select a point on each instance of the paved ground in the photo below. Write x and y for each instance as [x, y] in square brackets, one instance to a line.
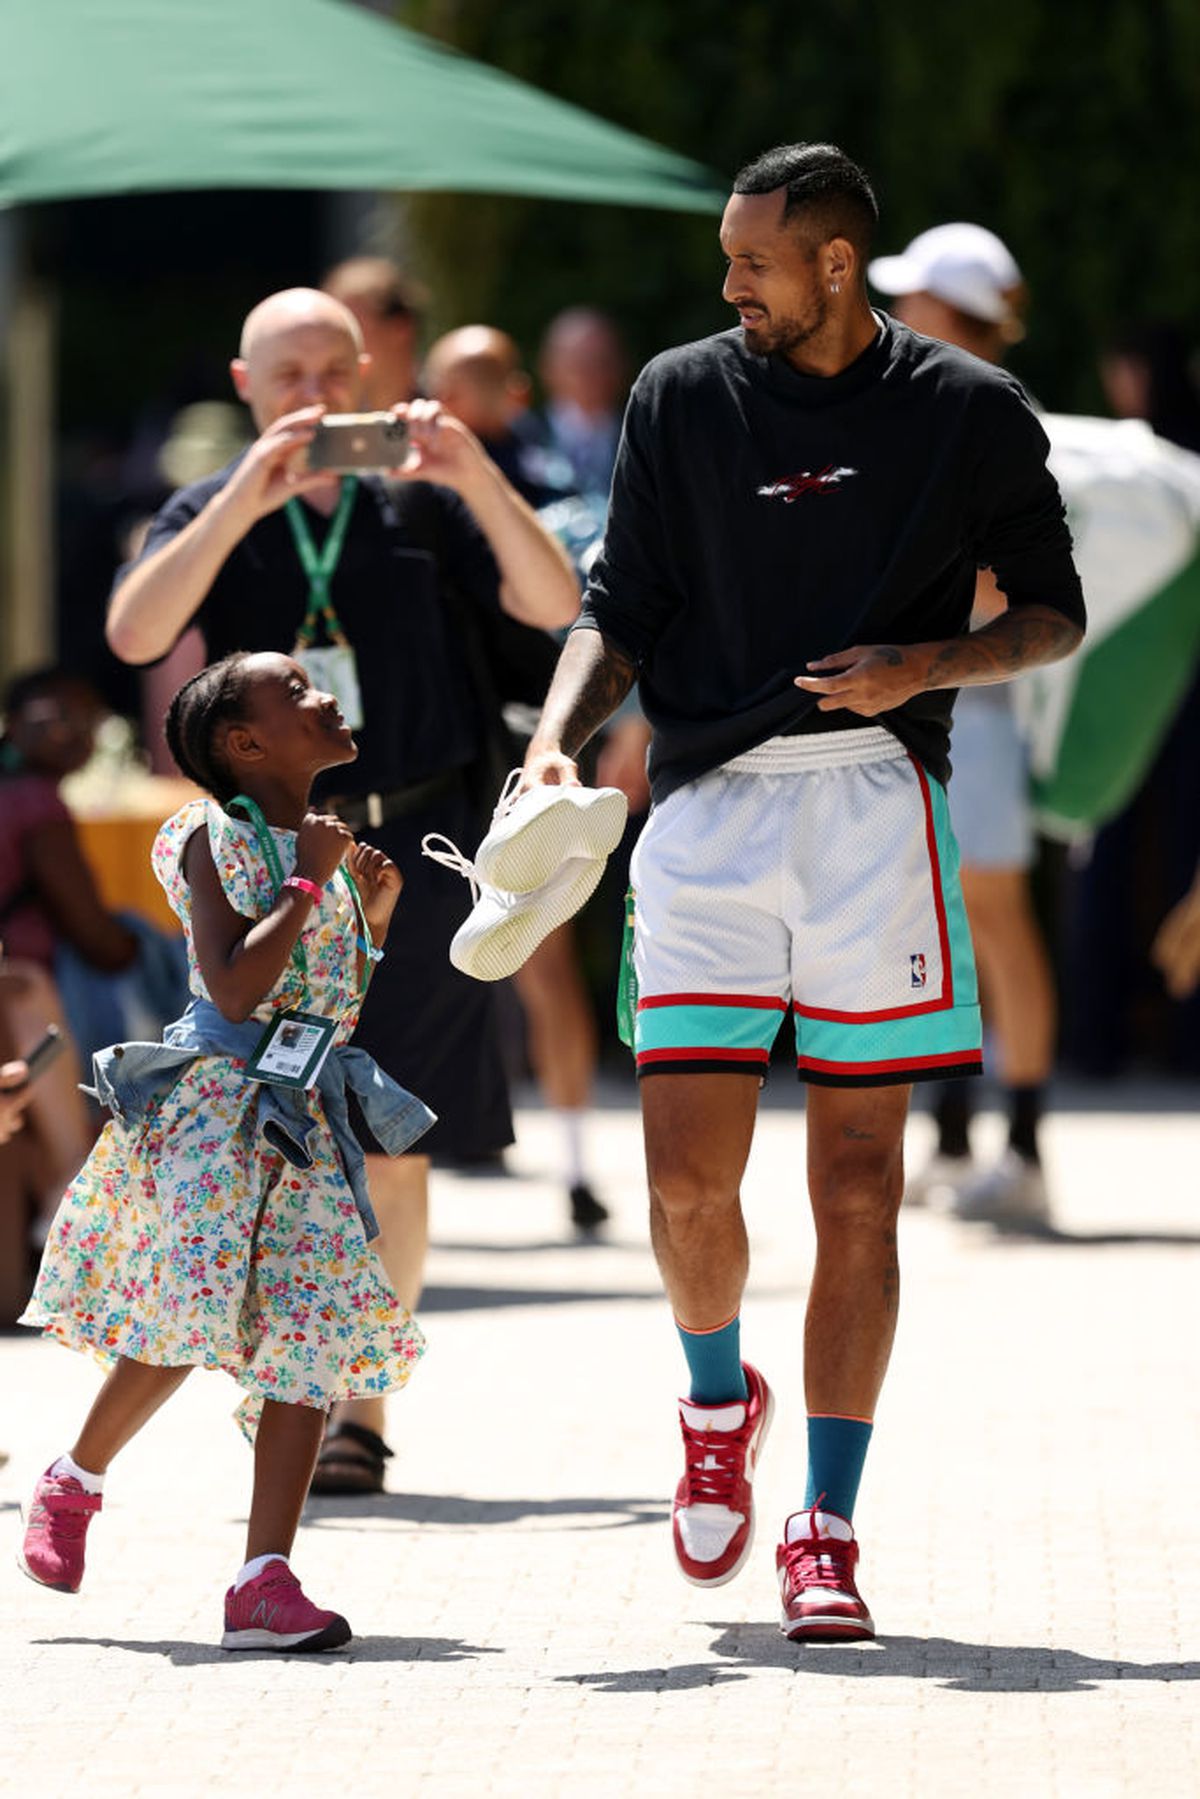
[1030, 1521]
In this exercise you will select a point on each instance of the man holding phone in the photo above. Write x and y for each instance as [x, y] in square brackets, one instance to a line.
[368, 580]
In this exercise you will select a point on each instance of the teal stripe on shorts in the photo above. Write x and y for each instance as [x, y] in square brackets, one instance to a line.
[695, 1026]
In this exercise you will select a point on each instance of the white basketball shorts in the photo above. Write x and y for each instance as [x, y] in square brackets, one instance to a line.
[817, 875]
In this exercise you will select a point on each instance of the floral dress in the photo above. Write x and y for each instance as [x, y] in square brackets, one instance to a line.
[187, 1240]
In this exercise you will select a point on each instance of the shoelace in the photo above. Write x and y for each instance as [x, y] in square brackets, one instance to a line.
[68, 1516]
[277, 1577]
[819, 1564]
[508, 794]
[715, 1460]
[820, 1561]
[452, 858]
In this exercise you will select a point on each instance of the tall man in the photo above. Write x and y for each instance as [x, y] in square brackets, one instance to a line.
[799, 508]
[263, 554]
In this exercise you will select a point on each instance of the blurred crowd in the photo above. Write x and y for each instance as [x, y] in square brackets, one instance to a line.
[1087, 949]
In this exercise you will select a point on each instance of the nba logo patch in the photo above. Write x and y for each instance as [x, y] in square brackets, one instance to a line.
[916, 966]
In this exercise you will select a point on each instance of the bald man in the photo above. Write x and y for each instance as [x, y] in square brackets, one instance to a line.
[447, 533]
[476, 374]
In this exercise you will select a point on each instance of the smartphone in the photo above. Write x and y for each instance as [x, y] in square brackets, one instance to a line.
[48, 1050]
[354, 441]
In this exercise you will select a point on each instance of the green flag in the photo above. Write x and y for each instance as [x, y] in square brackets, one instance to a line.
[1095, 722]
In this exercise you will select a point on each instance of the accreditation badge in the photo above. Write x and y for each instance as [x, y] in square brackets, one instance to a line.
[333, 668]
[291, 1051]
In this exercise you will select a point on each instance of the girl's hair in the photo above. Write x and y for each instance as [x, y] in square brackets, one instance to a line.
[214, 697]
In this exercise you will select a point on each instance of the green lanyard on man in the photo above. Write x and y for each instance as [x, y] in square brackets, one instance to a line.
[331, 665]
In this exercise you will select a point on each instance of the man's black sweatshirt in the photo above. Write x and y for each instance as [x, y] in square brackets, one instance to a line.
[762, 518]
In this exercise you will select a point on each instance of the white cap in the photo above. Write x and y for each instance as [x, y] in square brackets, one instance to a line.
[964, 265]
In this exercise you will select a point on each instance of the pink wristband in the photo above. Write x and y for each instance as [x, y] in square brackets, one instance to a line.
[303, 886]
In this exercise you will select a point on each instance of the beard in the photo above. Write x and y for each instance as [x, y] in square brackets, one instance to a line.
[779, 337]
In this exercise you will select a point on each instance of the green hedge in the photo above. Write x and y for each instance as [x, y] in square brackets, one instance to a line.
[1072, 129]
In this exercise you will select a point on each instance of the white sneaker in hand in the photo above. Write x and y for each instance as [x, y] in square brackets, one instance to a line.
[533, 834]
[504, 929]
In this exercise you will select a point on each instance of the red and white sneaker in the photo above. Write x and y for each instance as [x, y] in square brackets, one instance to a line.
[713, 1520]
[271, 1612]
[56, 1525]
[816, 1563]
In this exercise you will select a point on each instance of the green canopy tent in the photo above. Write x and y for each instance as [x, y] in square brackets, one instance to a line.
[135, 96]
[126, 96]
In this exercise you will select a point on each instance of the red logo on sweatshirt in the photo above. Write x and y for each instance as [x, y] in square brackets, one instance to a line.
[792, 486]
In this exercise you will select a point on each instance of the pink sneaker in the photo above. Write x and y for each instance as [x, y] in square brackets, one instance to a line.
[816, 1563]
[713, 1521]
[56, 1523]
[271, 1612]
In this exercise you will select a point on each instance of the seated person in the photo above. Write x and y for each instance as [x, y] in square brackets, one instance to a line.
[58, 1133]
[47, 893]
[51, 912]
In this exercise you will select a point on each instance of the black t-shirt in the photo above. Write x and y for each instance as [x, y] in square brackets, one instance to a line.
[762, 518]
[404, 546]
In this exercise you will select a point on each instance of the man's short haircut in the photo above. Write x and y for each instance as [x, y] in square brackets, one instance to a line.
[378, 284]
[827, 191]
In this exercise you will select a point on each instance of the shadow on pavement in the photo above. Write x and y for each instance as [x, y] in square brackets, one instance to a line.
[440, 1298]
[362, 1649]
[687, 1678]
[957, 1667]
[1127, 1239]
[457, 1509]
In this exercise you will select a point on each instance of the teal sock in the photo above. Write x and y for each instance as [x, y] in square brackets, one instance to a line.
[714, 1360]
[837, 1449]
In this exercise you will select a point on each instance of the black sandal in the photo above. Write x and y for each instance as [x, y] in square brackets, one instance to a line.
[352, 1460]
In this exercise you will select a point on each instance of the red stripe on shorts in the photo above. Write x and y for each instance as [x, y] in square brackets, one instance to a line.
[763, 1002]
[945, 999]
[897, 1066]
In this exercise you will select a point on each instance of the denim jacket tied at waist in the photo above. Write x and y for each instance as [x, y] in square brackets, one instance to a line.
[129, 1077]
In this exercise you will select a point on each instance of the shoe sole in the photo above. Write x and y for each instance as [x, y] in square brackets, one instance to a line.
[499, 952]
[828, 1630]
[304, 1642]
[722, 1580]
[568, 828]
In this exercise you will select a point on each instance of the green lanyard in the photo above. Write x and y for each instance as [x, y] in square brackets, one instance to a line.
[266, 841]
[319, 567]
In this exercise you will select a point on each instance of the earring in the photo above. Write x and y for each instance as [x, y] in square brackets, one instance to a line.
[835, 287]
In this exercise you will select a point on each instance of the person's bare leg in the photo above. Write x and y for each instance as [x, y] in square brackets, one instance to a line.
[129, 1398]
[698, 1129]
[561, 1032]
[285, 1453]
[1015, 971]
[558, 1018]
[855, 1177]
[400, 1195]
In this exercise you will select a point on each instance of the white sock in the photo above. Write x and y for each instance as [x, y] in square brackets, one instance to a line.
[571, 1119]
[253, 1568]
[66, 1468]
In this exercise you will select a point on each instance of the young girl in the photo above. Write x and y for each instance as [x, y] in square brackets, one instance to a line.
[222, 1220]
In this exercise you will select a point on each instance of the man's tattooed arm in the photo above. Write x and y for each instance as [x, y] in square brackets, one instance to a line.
[872, 678]
[1022, 637]
[592, 678]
